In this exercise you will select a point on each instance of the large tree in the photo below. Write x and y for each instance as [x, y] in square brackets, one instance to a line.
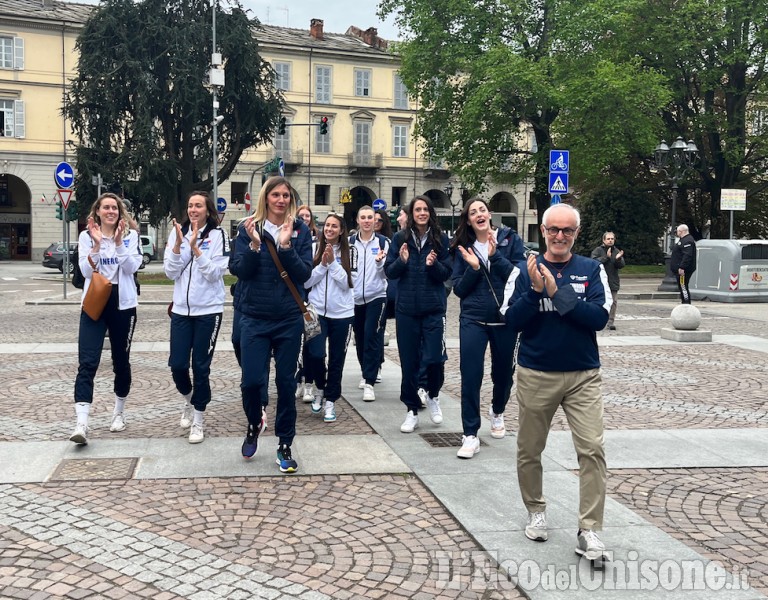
[485, 72]
[140, 104]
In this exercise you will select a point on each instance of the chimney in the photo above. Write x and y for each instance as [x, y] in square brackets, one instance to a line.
[370, 37]
[316, 29]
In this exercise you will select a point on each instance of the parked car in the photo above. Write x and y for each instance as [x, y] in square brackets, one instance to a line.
[148, 249]
[53, 257]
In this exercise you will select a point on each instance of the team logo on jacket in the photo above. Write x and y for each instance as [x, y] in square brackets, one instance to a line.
[204, 245]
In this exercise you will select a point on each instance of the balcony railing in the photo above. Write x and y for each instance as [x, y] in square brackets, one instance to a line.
[365, 160]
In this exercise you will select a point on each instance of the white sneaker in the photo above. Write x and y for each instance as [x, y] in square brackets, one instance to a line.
[498, 430]
[186, 416]
[423, 396]
[317, 401]
[196, 433]
[118, 422]
[470, 446]
[80, 434]
[589, 545]
[368, 394]
[411, 422]
[309, 392]
[536, 529]
[378, 376]
[330, 412]
[433, 404]
[361, 385]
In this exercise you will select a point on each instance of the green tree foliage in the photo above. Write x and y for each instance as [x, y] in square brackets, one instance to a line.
[631, 214]
[712, 55]
[487, 73]
[141, 106]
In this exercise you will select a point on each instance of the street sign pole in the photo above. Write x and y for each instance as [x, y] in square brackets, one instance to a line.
[64, 178]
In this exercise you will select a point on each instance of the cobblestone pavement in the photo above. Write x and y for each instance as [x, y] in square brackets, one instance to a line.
[359, 536]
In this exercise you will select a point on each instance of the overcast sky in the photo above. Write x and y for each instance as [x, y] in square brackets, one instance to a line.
[337, 15]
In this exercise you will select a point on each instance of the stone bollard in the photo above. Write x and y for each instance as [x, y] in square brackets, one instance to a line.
[686, 319]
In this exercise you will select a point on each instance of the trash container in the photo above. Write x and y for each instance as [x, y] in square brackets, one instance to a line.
[731, 271]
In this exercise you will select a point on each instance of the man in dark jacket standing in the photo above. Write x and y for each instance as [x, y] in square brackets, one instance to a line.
[612, 259]
[683, 261]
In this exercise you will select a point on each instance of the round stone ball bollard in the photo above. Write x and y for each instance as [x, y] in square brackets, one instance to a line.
[686, 317]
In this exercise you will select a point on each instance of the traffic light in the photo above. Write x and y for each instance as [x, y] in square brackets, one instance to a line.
[72, 212]
[59, 212]
[281, 126]
[323, 125]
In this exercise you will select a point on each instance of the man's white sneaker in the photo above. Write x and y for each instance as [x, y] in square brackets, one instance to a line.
[423, 396]
[309, 392]
[118, 423]
[498, 430]
[589, 545]
[433, 404]
[80, 434]
[470, 446]
[368, 394]
[186, 416]
[361, 385]
[196, 433]
[411, 422]
[536, 529]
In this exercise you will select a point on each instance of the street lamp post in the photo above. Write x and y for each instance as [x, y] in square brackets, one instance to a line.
[448, 189]
[675, 162]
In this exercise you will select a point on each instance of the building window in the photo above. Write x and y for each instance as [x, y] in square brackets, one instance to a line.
[283, 142]
[283, 71]
[322, 142]
[322, 84]
[322, 195]
[362, 138]
[12, 118]
[12, 53]
[239, 188]
[363, 82]
[400, 141]
[401, 93]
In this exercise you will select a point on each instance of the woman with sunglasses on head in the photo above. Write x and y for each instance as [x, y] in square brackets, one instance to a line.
[111, 248]
[271, 320]
[418, 258]
[196, 259]
[369, 251]
[331, 293]
[484, 257]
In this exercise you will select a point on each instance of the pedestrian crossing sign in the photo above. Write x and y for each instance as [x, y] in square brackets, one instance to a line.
[558, 183]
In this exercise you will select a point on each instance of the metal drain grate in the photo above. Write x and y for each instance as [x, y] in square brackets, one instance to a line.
[449, 439]
[94, 469]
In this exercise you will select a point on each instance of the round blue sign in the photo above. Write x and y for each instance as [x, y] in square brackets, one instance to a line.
[64, 175]
[379, 204]
[221, 204]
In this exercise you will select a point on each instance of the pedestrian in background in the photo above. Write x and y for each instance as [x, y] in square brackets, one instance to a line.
[419, 259]
[331, 293]
[484, 257]
[558, 302]
[683, 261]
[369, 250]
[196, 259]
[270, 318]
[612, 259]
[111, 248]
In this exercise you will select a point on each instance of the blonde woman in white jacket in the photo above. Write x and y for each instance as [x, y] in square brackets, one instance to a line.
[331, 293]
[111, 248]
[196, 259]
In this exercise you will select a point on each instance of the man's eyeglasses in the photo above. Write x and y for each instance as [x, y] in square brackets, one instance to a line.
[566, 231]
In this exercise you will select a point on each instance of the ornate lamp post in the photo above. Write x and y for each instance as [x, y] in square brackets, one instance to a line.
[675, 162]
[448, 189]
